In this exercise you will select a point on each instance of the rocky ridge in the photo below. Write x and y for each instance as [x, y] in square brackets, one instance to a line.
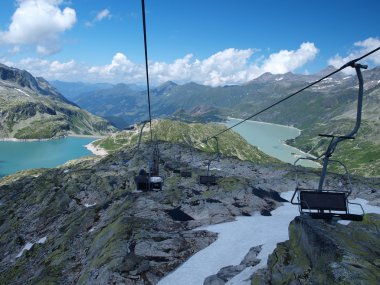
[84, 223]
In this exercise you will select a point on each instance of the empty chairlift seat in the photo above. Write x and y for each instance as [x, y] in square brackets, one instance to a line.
[326, 205]
[207, 180]
[186, 173]
[156, 182]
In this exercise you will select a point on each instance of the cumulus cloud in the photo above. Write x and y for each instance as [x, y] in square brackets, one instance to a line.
[38, 22]
[230, 66]
[360, 48]
[285, 60]
[51, 70]
[101, 15]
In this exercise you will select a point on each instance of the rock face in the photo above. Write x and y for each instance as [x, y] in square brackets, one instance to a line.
[318, 252]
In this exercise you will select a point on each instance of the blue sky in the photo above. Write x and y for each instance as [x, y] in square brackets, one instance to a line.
[212, 42]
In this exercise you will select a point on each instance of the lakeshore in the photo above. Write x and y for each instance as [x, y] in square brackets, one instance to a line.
[270, 138]
[96, 150]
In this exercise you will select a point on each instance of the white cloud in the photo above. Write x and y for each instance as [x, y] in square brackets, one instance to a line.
[38, 22]
[230, 66]
[101, 15]
[360, 48]
[285, 61]
[14, 50]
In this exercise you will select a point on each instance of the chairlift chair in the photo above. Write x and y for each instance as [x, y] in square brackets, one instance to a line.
[331, 203]
[210, 179]
[187, 171]
[152, 180]
[156, 181]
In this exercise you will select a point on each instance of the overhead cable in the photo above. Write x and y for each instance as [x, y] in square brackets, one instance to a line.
[146, 68]
[350, 63]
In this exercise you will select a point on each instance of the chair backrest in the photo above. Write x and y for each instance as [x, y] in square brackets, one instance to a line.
[207, 180]
[323, 200]
[186, 173]
[142, 182]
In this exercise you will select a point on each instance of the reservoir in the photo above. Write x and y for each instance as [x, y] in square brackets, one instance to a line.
[16, 156]
[270, 138]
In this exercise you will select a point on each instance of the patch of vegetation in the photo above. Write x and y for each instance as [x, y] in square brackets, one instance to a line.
[361, 156]
[230, 143]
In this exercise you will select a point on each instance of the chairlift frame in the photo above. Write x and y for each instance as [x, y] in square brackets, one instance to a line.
[328, 204]
[187, 173]
[151, 180]
[210, 179]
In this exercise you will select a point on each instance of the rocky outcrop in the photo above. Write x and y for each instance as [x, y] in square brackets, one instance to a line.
[319, 252]
[227, 273]
[85, 223]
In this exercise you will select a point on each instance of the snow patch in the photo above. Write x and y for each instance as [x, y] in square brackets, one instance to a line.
[29, 245]
[234, 241]
[89, 205]
[279, 79]
[355, 209]
[23, 92]
[42, 240]
[236, 238]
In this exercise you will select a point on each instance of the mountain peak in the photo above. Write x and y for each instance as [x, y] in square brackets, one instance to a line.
[329, 69]
[165, 87]
[20, 77]
[167, 84]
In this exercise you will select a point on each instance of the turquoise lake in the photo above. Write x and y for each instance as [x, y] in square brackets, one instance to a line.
[270, 138]
[16, 156]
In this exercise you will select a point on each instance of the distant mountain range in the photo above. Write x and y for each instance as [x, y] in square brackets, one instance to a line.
[33, 109]
[73, 90]
[326, 100]
[326, 107]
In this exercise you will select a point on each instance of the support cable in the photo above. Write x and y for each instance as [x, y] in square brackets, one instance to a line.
[146, 68]
[350, 63]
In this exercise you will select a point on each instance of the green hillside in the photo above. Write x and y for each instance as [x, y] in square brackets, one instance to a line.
[32, 109]
[362, 155]
[230, 143]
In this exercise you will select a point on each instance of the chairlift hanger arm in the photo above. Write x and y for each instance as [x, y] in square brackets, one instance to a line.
[141, 131]
[336, 139]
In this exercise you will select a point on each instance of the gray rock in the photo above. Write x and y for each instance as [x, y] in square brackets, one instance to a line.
[251, 258]
[227, 273]
[319, 252]
[213, 280]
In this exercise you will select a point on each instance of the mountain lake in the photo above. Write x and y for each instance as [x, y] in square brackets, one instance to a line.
[19, 155]
[270, 138]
